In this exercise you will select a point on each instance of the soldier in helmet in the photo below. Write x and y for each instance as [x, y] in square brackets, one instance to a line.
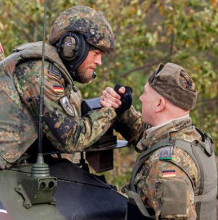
[175, 175]
[78, 39]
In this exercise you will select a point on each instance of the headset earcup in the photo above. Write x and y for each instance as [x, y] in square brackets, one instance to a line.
[81, 51]
[73, 50]
[68, 48]
[67, 45]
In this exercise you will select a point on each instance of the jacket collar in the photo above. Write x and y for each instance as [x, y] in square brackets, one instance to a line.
[157, 133]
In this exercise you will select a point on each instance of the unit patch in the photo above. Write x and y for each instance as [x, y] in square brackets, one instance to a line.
[166, 153]
[67, 106]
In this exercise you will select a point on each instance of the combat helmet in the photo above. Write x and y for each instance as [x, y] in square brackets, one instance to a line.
[78, 30]
[86, 21]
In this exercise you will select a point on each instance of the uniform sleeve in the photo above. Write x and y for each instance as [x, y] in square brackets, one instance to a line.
[67, 132]
[130, 125]
[168, 188]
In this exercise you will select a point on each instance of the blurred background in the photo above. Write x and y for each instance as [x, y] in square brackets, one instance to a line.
[147, 32]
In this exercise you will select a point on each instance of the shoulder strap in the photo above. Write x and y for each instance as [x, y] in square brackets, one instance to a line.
[135, 198]
[145, 155]
[34, 50]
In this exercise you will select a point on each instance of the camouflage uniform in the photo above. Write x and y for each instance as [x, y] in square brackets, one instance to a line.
[155, 171]
[158, 173]
[175, 174]
[20, 80]
[63, 124]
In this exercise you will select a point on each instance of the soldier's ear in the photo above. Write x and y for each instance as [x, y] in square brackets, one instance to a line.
[161, 104]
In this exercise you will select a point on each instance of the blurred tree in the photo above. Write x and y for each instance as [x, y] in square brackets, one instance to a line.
[147, 32]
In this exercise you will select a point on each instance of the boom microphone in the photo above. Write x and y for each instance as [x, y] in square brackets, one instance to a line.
[94, 74]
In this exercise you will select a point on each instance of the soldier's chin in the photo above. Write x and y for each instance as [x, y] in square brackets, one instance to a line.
[83, 80]
[145, 119]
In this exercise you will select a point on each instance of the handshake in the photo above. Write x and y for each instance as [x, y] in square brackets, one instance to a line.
[120, 98]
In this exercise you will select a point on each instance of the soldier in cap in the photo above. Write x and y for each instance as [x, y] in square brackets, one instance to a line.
[78, 39]
[175, 175]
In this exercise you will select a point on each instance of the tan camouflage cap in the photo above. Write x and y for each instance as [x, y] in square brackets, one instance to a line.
[172, 82]
[86, 21]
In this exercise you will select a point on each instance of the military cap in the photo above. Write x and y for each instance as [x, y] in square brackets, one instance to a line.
[173, 82]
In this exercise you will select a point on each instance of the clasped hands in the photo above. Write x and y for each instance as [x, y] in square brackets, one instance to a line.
[119, 98]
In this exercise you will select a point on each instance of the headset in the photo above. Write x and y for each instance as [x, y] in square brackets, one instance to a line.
[73, 50]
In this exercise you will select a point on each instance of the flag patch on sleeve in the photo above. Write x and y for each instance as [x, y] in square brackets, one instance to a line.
[168, 173]
[57, 88]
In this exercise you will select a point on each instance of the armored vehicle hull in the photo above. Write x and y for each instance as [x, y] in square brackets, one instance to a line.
[79, 195]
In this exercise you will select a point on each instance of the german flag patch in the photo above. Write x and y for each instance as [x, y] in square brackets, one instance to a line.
[57, 88]
[168, 173]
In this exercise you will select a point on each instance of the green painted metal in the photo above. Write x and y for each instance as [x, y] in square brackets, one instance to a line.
[14, 203]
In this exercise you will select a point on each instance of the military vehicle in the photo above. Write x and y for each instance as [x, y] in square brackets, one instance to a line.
[69, 192]
[59, 189]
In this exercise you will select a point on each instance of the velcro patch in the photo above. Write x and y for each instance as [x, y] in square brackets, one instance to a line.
[54, 70]
[67, 106]
[174, 200]
[166, 153]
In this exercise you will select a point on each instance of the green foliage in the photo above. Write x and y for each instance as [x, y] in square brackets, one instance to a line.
[147, 32]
